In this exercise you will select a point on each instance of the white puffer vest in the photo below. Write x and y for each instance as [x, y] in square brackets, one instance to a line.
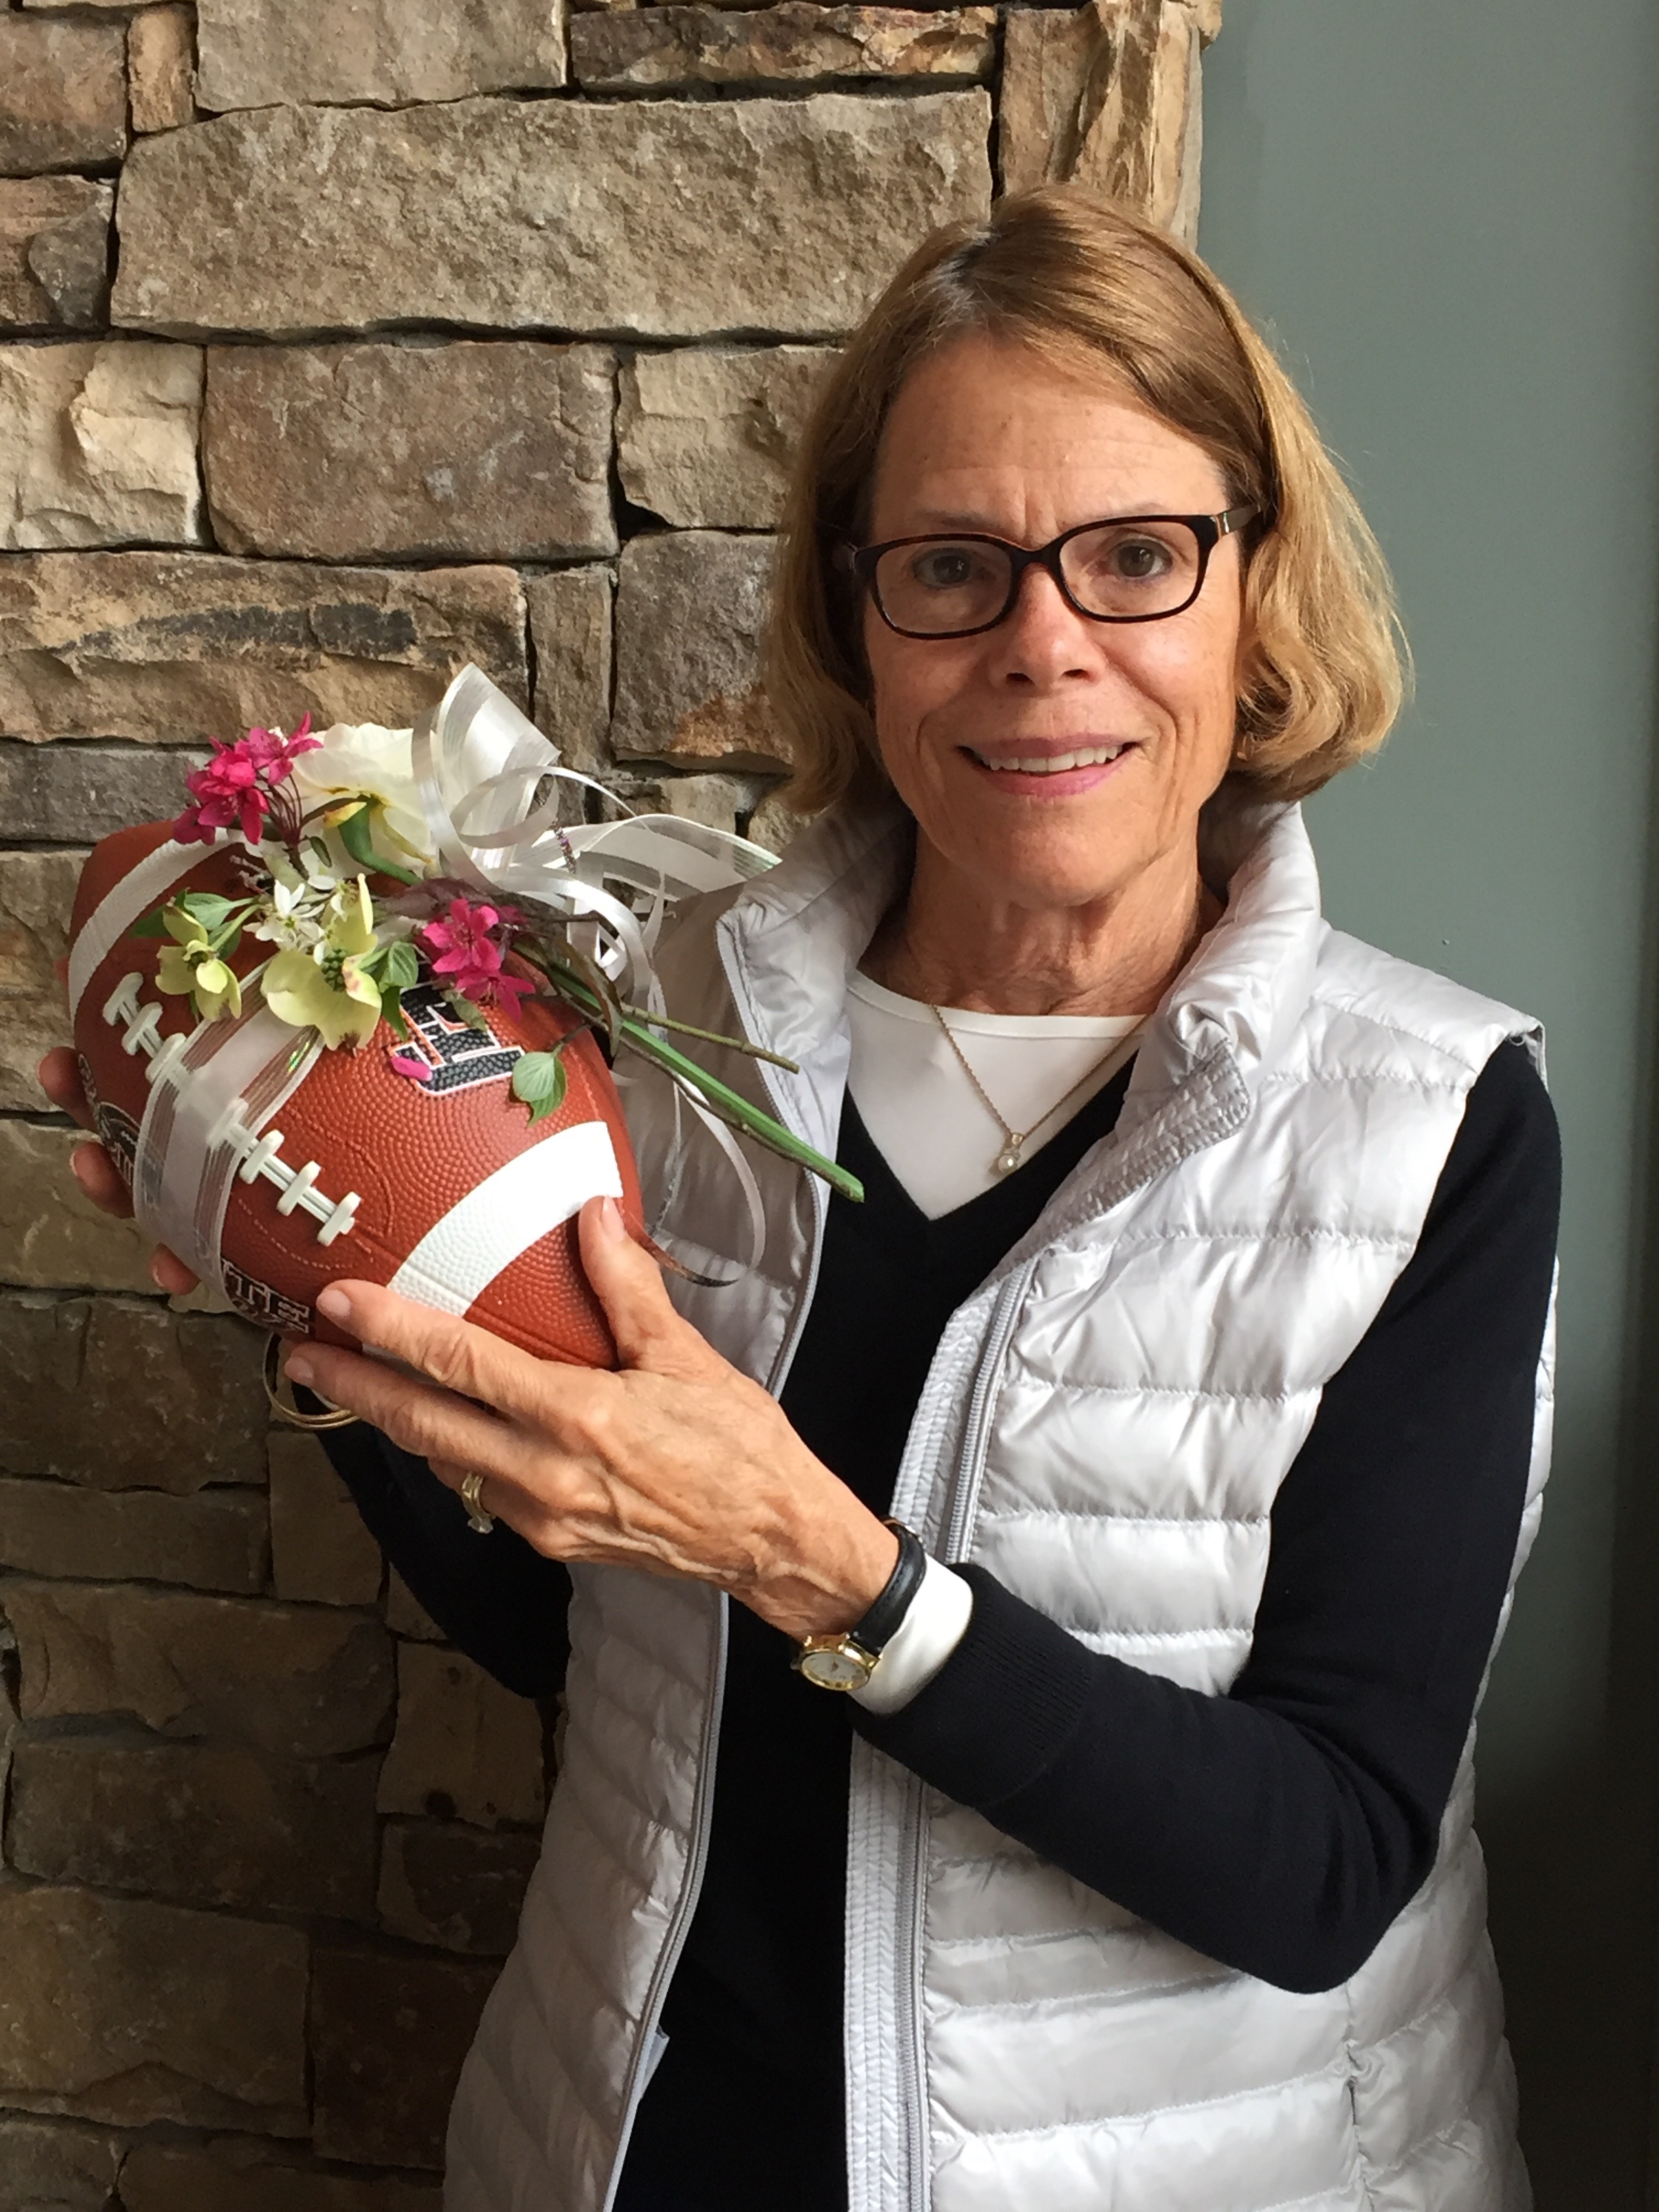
[1105, 1425]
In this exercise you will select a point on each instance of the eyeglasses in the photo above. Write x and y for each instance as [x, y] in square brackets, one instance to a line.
[1133, 567]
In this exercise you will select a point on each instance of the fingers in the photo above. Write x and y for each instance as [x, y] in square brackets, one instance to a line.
[422, 1419]
[102, 1180]
[60, 1077]
[464, 1359]
[628, 1285]
[169, 1273]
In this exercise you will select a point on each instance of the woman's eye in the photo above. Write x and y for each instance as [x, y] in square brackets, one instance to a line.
[1141, 560]
[945, 568]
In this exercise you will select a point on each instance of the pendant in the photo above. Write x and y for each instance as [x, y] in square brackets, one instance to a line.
[1008, 1158]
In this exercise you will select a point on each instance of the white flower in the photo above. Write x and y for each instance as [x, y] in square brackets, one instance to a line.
[361, 759]
[295, 920]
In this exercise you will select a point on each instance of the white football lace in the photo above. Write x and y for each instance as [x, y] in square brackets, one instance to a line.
[260, 1156]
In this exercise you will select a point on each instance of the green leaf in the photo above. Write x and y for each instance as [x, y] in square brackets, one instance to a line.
[539, 1079]
[209, 908]
[391, 1007]
[151, 925]
[227, 939]
[464, 1011]
[356, 835]
[403, 965]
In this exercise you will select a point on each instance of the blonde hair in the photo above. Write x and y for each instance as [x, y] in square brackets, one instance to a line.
[1084, 282]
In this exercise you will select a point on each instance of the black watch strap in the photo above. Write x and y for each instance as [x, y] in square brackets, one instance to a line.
[886, 1617]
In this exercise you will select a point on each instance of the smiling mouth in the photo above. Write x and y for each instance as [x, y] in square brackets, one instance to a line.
[1048, 763]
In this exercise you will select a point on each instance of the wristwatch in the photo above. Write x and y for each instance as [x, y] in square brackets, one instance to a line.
[848, 1661]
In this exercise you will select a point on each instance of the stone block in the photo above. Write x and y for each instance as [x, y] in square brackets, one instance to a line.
[51, 1235]
[661, 49]
[215, 1540]
[62, 94]
[347, 453]
[10, 1727]
[669, 219]
[234, 2175]
[570, 635]
[77, 793]
[446, 1885]
[196, 1823]
[1107, 96]
[465, 1748]
[719, 802]
[160, 69]
[774, 824]
[126, 1395]
[175, 646]
[319, 1548]
[98, 444]
[55, 2165]
[388, 2034]
[54, 252]
[297, 1681]
[690, 611]
[706, 437]
[257, 52]
[36, 892]
[404, 1614]
[124, 2010]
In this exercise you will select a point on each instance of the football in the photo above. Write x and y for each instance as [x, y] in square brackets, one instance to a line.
[299, 1169]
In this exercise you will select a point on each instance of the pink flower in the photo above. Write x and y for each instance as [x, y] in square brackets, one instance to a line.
[234, 788]
[412, 1065]
[466, 950]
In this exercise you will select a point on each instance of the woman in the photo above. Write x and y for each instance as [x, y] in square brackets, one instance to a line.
[1193, 1321]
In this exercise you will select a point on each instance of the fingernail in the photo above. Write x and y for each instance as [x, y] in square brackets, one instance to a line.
[334, 1303]
[610, 1220]
[156, 1276]
[299, 1369]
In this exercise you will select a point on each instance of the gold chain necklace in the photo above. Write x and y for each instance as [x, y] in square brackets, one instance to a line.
[1009, 1159]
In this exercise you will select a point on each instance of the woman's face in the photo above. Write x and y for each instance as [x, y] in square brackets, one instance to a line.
[986, 435]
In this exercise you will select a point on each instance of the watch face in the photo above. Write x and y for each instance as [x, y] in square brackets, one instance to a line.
[836, 1670]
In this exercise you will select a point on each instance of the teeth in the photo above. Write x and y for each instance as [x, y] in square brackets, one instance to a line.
[1053, 763]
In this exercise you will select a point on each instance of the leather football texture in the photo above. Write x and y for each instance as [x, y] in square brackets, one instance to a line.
[442, 1188]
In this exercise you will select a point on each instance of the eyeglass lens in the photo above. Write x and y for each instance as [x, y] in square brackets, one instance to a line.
[1134, 570]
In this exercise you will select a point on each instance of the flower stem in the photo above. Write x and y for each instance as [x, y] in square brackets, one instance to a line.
[712, 1037]
[733, 1106]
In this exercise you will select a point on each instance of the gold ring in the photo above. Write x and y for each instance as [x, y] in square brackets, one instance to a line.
[472, 1498]
[337, 1416]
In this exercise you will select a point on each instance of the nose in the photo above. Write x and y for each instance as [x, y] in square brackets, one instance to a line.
[1042, 641]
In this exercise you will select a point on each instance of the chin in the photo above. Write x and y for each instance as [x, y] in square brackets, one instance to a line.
[1058, 863]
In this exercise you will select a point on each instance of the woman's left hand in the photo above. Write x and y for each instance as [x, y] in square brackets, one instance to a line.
[676, 1463]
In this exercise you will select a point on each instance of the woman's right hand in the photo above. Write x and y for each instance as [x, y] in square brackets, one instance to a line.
[95, 1171]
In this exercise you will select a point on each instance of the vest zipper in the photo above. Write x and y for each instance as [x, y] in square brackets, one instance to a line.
[702, 1810]
[953, 1536]
[657, 1996]
[970, 1460]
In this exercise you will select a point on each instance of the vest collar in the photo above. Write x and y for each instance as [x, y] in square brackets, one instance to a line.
[792, 937]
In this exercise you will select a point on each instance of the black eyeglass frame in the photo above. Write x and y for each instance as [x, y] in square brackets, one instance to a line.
[1208, 529]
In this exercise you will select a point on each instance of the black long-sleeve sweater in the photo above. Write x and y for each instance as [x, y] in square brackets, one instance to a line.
[1278, 1829]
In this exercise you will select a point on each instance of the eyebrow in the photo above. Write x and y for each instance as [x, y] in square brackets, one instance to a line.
[938, 520]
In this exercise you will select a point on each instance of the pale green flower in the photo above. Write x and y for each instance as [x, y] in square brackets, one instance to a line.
[190, 968]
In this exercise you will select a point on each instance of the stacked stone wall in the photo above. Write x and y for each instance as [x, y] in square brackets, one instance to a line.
[340, 344]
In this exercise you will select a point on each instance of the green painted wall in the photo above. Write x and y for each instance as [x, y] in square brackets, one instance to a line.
[1446, 213]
